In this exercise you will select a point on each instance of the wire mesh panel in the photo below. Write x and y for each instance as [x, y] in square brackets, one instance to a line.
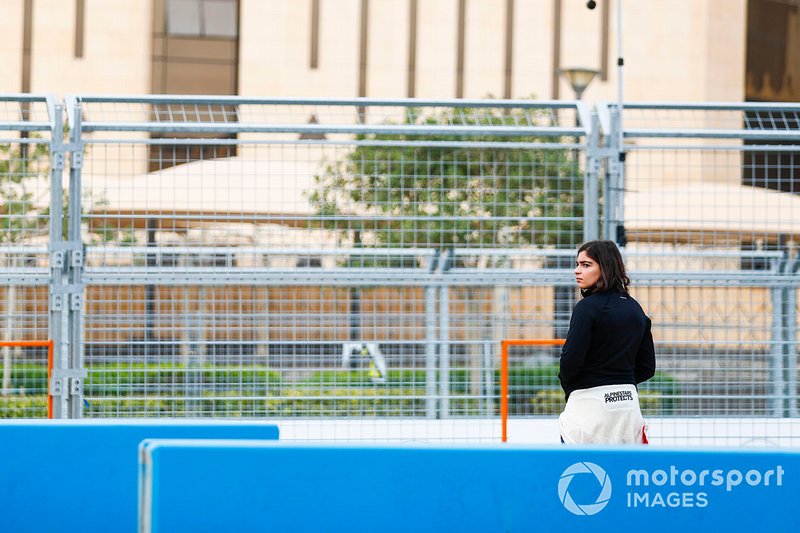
[25, 165]
[715, 342]
[360, 260]
[302, 259]
[712, 176]
[711, 218]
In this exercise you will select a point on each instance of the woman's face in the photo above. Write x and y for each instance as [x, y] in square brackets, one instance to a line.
[587, 271]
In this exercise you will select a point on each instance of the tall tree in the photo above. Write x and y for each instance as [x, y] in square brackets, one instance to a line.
[492, 192]
[448, 191]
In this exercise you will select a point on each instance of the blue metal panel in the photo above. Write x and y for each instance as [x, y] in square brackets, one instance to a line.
[230, 486]
[82, 475]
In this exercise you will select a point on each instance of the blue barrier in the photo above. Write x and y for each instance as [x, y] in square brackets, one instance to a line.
[258, 486]
[82, 475]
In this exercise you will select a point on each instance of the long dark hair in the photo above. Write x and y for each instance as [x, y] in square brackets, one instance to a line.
[612, 268]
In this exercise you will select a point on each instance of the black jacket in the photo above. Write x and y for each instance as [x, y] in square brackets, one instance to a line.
[609, 343]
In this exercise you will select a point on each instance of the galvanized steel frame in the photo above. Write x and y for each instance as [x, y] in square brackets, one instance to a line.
[68, 275]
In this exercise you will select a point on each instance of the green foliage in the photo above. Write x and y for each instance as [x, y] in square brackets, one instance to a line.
[439, 196]
[105, 231]
[138, 378]
[362, 378]
[19, 217]
[666, 388]
[291, 402]
[254, 391]
[27, 377]
[343, 402]
[23, 406]
[551, 402]
[537, 391]
[23, 215]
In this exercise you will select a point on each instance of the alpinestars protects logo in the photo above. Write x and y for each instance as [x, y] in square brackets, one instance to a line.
[584, 508]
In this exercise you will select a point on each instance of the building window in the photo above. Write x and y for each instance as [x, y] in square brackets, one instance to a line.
[211, 260]
[761, 245]
[772, 62]
[202, 18]
[778, 170]
[164, 156]
[195, 51]
[309, 261]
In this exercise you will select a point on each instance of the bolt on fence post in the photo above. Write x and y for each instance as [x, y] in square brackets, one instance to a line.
[58, 308]
[776, 356]
[613, 185]
[791, 350]
[75, 265]
[591, 177]
[446, 260]
[790, 322]
[430, 352]
[444, 351]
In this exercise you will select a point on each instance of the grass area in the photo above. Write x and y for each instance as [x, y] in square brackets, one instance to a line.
[139, 389]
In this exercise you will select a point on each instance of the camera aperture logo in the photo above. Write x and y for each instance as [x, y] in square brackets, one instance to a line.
[584, 508]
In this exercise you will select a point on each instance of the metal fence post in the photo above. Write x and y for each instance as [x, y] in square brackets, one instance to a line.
[702, 293]
[444, 351]
[444, 337]
[591, 177]
[58, 386]
[613, 185]
[776, 356]
[430, 352]
[790, 321]
[75, 265]
[791, 350]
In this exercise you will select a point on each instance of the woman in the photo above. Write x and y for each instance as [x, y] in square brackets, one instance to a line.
[608, 351]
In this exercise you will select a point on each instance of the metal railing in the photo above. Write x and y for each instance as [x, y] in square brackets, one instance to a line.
[226, 256]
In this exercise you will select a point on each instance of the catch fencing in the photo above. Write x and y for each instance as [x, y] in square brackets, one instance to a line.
[27, 168]
[362, 260]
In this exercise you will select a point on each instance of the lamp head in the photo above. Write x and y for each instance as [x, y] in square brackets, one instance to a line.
[578, 78]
